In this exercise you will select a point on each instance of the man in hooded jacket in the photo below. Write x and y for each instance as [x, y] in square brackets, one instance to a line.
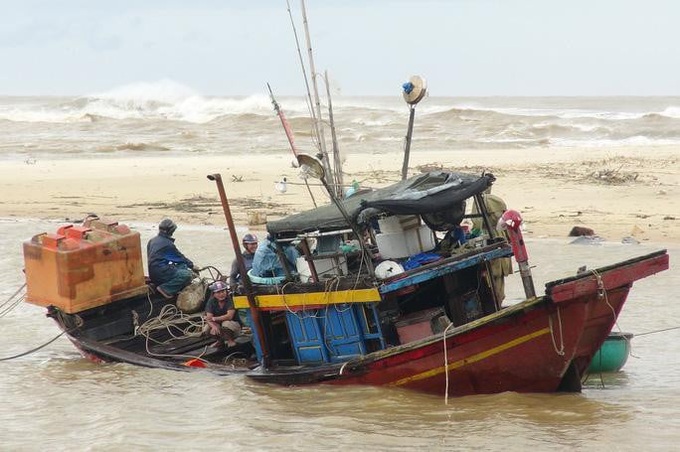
[169, 269]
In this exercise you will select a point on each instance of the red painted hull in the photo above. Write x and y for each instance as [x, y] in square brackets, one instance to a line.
[539, 345]
[523, 350]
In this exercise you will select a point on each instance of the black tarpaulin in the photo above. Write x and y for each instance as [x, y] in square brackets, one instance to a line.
[422, 194]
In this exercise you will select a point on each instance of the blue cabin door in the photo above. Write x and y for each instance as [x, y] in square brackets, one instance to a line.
[306, 337]
[343, 333]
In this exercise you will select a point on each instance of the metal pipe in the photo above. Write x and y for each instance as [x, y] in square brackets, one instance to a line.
[254, 312]
[407, 144]
[511, 221]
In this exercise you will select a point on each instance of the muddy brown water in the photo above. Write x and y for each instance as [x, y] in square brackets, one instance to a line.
[53, 399]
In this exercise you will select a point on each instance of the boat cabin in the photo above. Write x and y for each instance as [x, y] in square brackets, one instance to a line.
[379, 269]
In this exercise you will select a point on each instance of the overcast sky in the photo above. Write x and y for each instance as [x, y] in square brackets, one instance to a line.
[369, 47]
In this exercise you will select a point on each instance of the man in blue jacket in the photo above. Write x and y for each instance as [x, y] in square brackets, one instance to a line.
[169, 269]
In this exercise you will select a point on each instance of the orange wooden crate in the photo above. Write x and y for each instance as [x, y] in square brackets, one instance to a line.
[79, 268]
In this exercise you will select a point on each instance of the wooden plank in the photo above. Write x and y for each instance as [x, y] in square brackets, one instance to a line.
[438, 268]
[611, 278]
[307, 300]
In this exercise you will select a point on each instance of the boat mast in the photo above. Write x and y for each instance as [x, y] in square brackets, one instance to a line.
[302, 65]
[337, 161]
[318, 123]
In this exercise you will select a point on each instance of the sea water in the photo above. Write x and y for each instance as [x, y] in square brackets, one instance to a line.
[167, 119]
[54, 399]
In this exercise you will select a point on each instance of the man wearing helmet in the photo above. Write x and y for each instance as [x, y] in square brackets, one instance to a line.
[169, 269]
[220, 316]
[249, 247]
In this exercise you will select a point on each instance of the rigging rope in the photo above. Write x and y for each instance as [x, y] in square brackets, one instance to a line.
[5, 309]
[79, 323]
[34, 349]
[657, 331]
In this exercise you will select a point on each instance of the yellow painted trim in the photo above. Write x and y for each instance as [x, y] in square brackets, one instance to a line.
[300, 300]
[472, 359]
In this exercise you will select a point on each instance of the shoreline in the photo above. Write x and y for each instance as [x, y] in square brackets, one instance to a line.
[618, 192]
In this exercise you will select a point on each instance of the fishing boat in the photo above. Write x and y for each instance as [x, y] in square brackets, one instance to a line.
[392, 288]
[613, 354]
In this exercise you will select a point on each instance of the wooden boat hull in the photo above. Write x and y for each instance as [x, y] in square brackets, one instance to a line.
[543, 344]
[539, 345]
[107, 335]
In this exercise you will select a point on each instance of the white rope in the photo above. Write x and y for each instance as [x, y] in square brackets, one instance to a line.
[602, 293]
[559, 351]
[446, 365]
[169, 318]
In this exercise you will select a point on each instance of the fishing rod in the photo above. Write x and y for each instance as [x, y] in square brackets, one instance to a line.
[289, 134]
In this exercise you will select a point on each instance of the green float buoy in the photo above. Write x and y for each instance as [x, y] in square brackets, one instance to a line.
[613, 353]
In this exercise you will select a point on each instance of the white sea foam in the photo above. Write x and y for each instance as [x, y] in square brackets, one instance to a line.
[166, 116]
[671, 112]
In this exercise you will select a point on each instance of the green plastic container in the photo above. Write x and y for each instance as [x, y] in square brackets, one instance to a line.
[613, 353]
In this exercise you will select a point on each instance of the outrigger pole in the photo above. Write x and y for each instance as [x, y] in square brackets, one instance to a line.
[254, 312]
[289, 135]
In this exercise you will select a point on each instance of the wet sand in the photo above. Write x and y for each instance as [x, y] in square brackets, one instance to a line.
[617, 192]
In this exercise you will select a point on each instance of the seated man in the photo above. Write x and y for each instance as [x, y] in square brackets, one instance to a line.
[169, 269]
[266, 263]
[220, 316]
[249, 248]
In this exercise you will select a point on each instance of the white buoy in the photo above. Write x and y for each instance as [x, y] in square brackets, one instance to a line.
[281, 186]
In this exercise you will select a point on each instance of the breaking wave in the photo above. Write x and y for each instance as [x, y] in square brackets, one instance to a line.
[166, 116]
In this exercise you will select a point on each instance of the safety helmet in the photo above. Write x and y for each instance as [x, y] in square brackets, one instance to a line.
[249, 238]
[167, 226]
[218, 286]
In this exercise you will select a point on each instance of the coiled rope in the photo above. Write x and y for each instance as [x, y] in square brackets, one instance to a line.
[170, 318]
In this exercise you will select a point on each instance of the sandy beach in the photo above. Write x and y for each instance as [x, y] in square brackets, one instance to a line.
[617, 192]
